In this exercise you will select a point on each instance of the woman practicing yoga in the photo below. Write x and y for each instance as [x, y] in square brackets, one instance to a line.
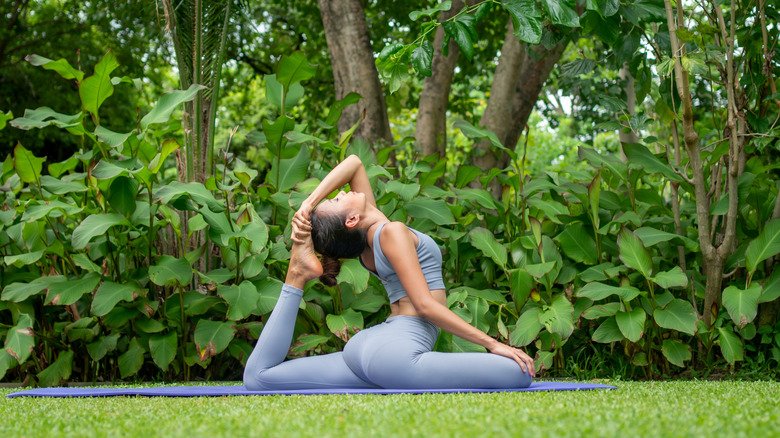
[395, 354]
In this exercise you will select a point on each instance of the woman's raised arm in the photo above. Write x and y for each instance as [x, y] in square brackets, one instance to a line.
[350, 171]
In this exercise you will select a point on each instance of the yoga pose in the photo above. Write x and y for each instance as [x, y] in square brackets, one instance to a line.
[395, 354]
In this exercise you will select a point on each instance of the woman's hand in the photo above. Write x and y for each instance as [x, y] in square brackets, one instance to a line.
[516, 354]
[301, 228]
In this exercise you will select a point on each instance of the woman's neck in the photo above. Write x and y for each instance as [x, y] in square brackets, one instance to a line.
[372, 216]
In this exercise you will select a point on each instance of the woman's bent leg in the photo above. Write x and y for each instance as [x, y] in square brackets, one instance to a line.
[397, 354]
[266, 369]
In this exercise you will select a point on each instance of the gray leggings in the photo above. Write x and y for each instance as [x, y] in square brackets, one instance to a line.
[395, 354]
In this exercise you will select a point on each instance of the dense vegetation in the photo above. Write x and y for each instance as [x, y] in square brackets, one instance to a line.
[644, 255]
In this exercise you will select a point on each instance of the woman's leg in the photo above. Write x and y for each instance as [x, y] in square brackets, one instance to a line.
[397, 354]
[266, 369]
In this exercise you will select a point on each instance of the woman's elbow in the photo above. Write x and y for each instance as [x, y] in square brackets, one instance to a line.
[427, 308]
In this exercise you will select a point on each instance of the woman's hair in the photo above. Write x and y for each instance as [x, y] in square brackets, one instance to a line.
[335, 241]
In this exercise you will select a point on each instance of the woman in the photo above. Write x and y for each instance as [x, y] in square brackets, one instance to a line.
[397, 353]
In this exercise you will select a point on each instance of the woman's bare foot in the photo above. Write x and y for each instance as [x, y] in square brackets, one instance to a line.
[304, 264]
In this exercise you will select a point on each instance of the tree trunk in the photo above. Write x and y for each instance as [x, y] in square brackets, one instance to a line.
[519, 78]
[628, 88]
[431, 132]
[352, 59]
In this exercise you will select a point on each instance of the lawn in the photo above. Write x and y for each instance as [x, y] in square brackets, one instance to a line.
[678, 408]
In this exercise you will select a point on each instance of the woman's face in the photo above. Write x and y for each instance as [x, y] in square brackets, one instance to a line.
[345, 203]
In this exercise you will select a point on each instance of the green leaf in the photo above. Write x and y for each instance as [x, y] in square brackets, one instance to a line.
[577, 244]
[61, 66]
[94, 225]
[346, 324]
[430, 12]
[742, 305]
[598, 291]
[27, 165]
[766, 245]
[558, 317]
[771, 289]
[475, 133]
[480, 196]
[25, 259]
[353, 273]
[111, 138]
[121, 195]
[463, 30]
[561, 13]
[4, 118]
[674, 277]
[605, 8]
[527, 328]
[59, 187]
[601, 310]
[161, 112]
[84, 262]
[608, 332]
[407, 192]
[45, 116]
[634, 254]
[651, 236]
[175, 190]
[422, 58]
[539, 270]
[435, 210]
[130, 361]
[525, 20]
[170, 271]
[109, 294]
[273, 90]
[631, 324]
[676, 352]
[677, 315]
[275, 135]
[242, 299]
[106, 169]
[291, 171]
[18, 292]
[20, 339]
[98, 349]
[95, 89]
[308, 343]
[639, 155]
[163, 349]
[6, 362]
[212, 337]
[168, 147]
[520, 284]
[730, 345]
[58, 371]
[483, 240]
[294, 68]
[68, 292]
[334, 114]
[480, 318]
[269, 289]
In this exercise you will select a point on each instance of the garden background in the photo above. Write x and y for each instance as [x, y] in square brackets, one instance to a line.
[602, 178]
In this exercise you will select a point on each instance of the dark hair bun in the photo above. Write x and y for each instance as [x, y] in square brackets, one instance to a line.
[330, 268]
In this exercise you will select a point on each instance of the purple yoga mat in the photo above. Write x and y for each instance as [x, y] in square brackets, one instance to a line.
[215, 391]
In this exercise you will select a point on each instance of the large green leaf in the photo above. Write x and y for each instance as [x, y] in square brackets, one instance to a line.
[212, 337]
[174, 191]
[122, 193]
[634, 254]
[771, 289]
[676, 352]
[483, 240]
[605, 8]
[730, 345]
[130, 361]
[766, 245]
[742, 305]
[170, 271]
[558, 317]
[27, 165]
[353, 273]
[290, 171]
[98, 349]
[435, 210]
[95, 225]
[601, 310]
[527, 328]
[294, 68]
[598, 291]
[577, 244]
[161, 112]
[68, 292]
[20, 339]
[674, 277]
[346, 324]
[60, 187]
[422, 58]
[677, 315]
[306, 343]
[560, 12]
[95, 89]
[525, 20]
[163, 349]
[6, 362]
[269, 289]
[25, 259]
[18, 292]
[109, 294]
[242, 299]
[631, 324]
[61, 66]
[639, 155]
[608, 332]
[45, 116]
[430, 12]
[58, 371]
[480, 317]
[275, 134]
[111, 138]
[407, 192]
[520, 284]
[463, 30]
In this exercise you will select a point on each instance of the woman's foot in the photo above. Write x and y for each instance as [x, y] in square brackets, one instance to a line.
[304, 264]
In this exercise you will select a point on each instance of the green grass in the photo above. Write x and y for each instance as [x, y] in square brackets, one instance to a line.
[679, 408]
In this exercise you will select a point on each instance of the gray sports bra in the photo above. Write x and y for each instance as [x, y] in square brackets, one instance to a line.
[428, 253]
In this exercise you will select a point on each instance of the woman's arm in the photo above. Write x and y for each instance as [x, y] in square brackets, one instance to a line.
[402, 256]
[350, 171]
